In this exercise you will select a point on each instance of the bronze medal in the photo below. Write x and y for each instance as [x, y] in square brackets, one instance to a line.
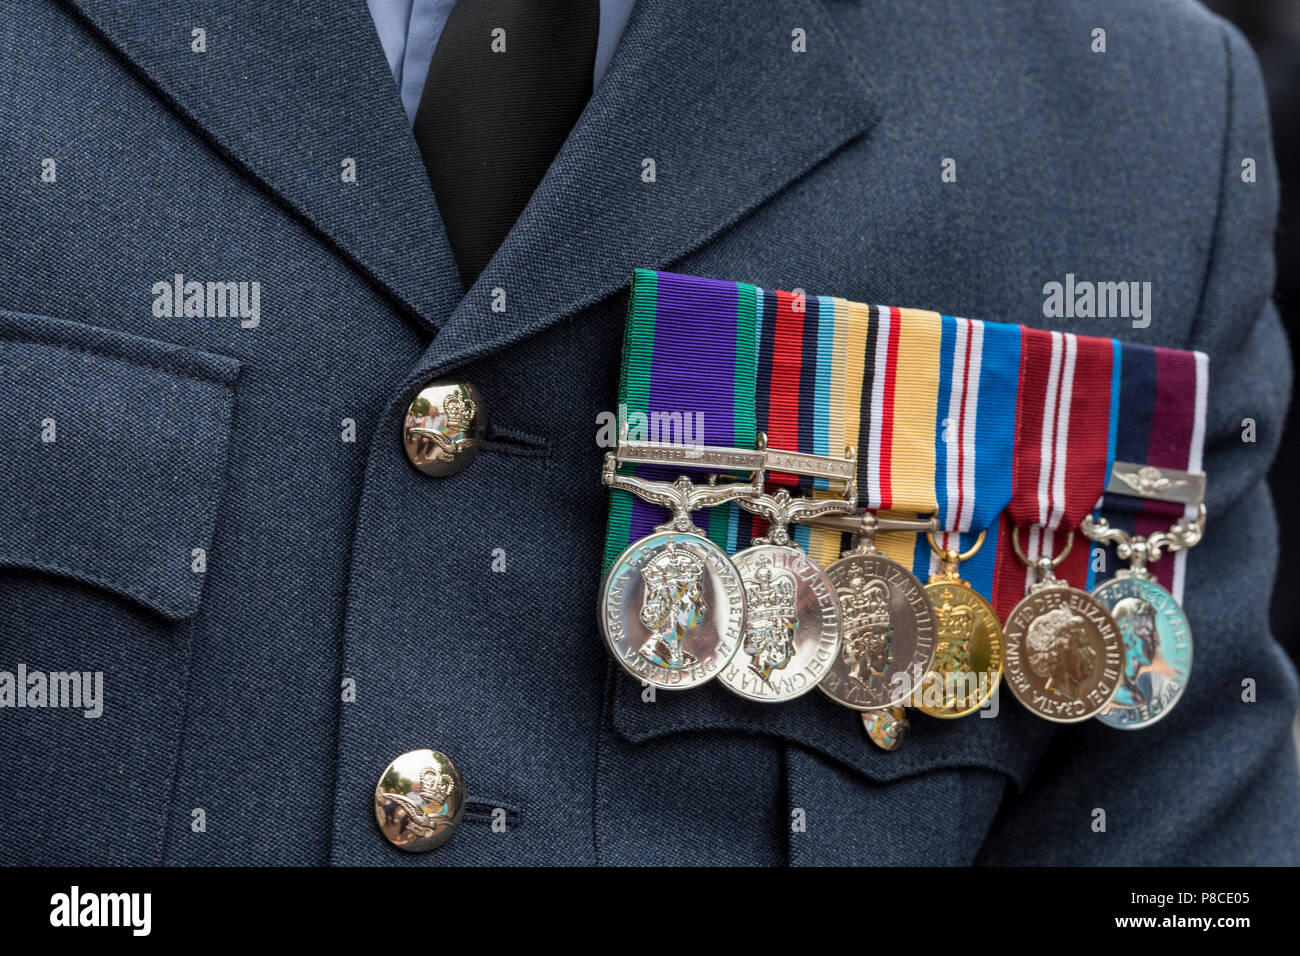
[1063, 653]
[1063, 650]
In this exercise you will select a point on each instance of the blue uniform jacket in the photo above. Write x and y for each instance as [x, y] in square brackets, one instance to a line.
[226, 527]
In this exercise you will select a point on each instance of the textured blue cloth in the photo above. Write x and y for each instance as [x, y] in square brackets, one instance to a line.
[329, 559]
[409, 31]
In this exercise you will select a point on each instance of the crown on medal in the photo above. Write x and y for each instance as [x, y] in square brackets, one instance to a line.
[770, 598]
[866, 604]
[959, 614]
[955, 620]
[458, 409]
[674, 566]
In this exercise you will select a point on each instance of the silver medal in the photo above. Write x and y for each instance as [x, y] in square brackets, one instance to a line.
[672, 606]
[888, 639]
[792, 616]
[1157, 637]
[1157, 651]
[672, 609]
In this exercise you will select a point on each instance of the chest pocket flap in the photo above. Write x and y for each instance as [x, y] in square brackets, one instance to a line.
[112, 457]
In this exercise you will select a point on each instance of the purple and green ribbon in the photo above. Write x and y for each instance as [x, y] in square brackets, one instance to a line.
[688, 377]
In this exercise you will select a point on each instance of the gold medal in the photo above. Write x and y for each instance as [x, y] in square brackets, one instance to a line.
[968, 654]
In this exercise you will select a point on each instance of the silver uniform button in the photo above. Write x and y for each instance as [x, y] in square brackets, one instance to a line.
[444, 427]
[420, 800]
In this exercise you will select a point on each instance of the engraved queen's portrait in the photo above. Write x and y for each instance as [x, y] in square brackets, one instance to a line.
[1145, 670]
[673, 604]
[1057, 647]
[770, 620]
[868, 630]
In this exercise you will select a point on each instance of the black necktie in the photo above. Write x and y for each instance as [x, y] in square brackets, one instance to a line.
[506, 84]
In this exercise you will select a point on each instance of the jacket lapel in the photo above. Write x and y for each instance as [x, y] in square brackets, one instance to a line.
[713, 93]
[286, 91]
[709, 90]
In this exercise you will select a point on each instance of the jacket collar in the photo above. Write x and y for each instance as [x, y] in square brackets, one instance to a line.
[286, 91]
[709, 90]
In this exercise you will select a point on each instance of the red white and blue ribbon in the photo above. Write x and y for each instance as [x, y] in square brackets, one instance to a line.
[974, 441]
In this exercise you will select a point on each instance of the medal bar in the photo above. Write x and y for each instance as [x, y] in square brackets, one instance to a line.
[705, 457]
[867, 524]
[716, 458]
[678, 609]
[814, 466]
[1158, 484]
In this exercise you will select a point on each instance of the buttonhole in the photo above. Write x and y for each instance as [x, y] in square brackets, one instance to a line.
[485, 811]
[512, 441]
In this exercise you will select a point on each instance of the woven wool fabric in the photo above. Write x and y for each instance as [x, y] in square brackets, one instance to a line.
[334, 560]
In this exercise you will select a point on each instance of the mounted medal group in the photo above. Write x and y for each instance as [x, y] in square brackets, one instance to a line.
[975, 457]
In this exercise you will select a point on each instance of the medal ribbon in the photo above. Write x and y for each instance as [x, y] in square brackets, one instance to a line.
[808, 395]
[1065, 445]
[1162, 402]
[721, 361]
[833, 373]
[974, 440]
[714, 362]
[900, 401]
[688, 378]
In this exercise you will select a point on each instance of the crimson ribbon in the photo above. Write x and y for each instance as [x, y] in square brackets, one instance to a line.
[1065, 446]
